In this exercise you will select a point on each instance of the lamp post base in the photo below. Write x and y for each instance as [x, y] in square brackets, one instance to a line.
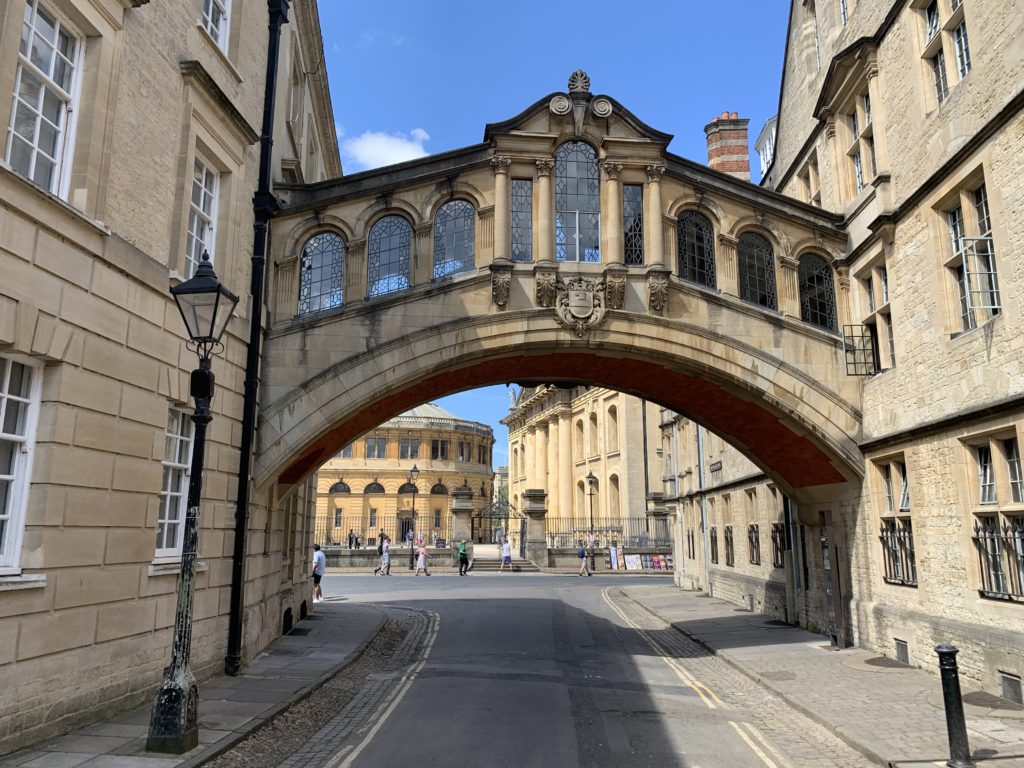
[174, 724]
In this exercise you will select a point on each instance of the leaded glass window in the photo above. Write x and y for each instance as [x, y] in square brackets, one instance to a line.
[522, 220]
[757, 270]
[817, 294]
[696, 241]
[454, 229]
[322, 273]
[44, 97]
[388, 256]
[577, 203]
[633, 224]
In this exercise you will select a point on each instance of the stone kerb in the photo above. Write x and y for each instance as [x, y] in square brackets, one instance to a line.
[535, 507]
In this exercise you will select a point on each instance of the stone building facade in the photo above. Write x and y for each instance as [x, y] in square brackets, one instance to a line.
[595, 452]
[119, 167]
[906, 119]
[368, 487]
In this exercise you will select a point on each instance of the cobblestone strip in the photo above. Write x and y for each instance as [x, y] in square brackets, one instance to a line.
[791, 738]
[352, 722]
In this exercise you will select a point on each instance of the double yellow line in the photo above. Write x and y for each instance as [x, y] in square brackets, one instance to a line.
[750, 735]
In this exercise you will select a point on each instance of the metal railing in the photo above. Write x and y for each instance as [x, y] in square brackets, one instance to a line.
[897, 537]
[629, 532]
[368, 530]
[1000, 557]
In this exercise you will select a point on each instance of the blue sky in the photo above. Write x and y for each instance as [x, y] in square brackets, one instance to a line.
[409, 79]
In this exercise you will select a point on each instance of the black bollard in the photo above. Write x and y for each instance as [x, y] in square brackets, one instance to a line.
[956, 726]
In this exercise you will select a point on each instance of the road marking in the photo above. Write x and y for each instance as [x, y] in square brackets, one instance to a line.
[709, 697]
[347, 756]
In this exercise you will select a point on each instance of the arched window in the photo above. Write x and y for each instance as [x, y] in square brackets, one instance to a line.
[757, 271]
[407, 488]
[439, 489]
[817, 294]
[594, 447]
[581, 498]
[696, 244]
[577, 203]
[340, 487]
[321, 273]
[515, 463]
[613, 496]
[387, 267]
[613, 429]
[578, 442]
[374, 488]
[453, 238]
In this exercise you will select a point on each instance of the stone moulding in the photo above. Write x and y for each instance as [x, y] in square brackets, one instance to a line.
[545, 286]
[501, 282]
[615, 287]
[657, 290]
[580, 305]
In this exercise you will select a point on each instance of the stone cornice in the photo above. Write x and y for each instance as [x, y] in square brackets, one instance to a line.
[194, 73]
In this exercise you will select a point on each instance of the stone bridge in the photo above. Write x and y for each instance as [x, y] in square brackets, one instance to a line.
[569, 246]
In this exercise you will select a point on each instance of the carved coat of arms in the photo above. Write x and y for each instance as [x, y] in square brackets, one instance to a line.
[580, 305]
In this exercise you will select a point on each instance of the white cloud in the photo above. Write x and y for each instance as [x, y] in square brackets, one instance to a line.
[398, 40]
[373, 149]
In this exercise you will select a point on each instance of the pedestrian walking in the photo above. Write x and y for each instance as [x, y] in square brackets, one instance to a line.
[351, 538]
[319, 566]
[421, 561]
[463, 559]
[506, 556]
[581, 553]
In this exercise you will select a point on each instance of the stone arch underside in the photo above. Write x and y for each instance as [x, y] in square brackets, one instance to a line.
[801, 432]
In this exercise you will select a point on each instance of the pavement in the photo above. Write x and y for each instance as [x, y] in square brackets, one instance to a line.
[229, 707]
[891, 713]
[888, 712]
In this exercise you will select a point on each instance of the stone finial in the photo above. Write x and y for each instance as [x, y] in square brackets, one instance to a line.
[579, 82]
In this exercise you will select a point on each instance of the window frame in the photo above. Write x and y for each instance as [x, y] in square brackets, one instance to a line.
[896, 531]
[22, 455]
[182, 471]
[591, 253]
[70, 100]
[335, 270]
[756, 267]
[220, 38]
[209, 240]
[971, 261]
[454, 230]
[521, 220]
[393, 276]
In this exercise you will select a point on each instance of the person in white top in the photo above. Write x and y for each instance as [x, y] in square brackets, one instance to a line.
[506, 556]
[319, 565]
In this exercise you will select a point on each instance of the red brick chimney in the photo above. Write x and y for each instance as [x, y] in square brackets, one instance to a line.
[728, 150]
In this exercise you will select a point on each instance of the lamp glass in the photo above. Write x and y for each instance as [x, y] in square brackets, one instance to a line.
[414, 473]
[205, 304]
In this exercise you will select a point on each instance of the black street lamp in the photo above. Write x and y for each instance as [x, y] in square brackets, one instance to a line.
[414, 474]
[591, 484]
[205, 306]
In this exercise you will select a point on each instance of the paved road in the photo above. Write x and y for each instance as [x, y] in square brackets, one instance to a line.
[541, 670]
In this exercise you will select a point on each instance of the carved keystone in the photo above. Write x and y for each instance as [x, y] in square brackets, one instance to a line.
[615, 286]
[657, 288]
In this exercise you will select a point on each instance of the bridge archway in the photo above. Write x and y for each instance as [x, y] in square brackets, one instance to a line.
[801, 432]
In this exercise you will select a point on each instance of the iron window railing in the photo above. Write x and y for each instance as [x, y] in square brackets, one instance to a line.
[778, 545]
[897, 537]
[1000, 557]
[713, 538]
[754, 544]
[730, 547]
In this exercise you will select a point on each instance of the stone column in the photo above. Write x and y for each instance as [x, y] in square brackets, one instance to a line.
[540, 457]
[535, 507]
[355, 271]
[789, 299]
[654, 247]
[422, 267]
[728, 271]
[613, 215]
[530, 465]
[565, 463]
[554, 469]
[501, 206]
[545, 229]
[462, 527]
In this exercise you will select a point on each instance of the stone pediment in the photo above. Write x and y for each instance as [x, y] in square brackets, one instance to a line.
[579, 112]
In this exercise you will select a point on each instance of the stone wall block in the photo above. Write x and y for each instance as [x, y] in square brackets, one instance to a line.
[76, 587]
[94, 314]
[130, 546]
[135, 474]
[63, 259]
[42, 635]
[123, 620]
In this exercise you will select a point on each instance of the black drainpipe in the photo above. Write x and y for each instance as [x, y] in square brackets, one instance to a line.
[264, 205]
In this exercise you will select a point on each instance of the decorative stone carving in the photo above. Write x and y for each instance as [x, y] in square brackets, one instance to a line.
[560, 104]
[580, 305]
[611, 169]
[545, 287]
[579, 82]
[500, 163]
[615, 289]
[501, 282]
[544, 166]
[601, 107]
[657, 287]
[654, 172]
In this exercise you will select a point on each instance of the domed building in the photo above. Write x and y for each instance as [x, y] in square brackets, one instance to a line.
[398, 479]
